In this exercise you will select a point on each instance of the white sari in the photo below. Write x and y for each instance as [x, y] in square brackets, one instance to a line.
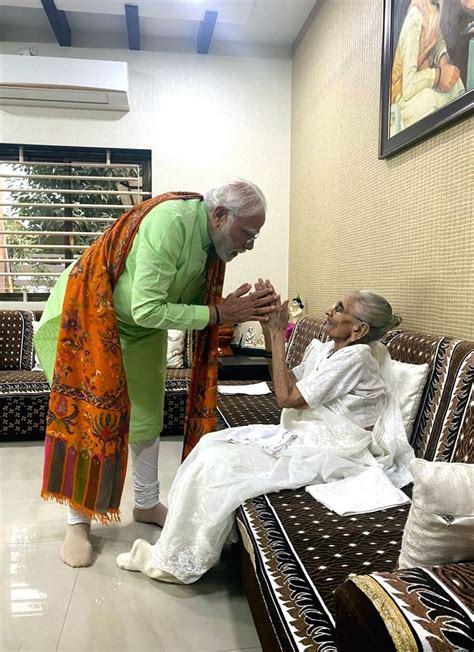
[353, 422]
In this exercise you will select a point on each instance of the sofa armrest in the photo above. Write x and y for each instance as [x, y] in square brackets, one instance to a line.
[405, 609]
[16, 340]
[189, 347]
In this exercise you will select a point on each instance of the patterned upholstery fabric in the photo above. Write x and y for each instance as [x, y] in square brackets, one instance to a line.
[24, 394]
[176, 374]
[413, 609]
[23, 405]
[16, 339]
[23, 383]
[305, 330]
[176, 391]
[237, 410]
[302, 551]
[443, 430]
[23, 419]
[299, 551]
[189, 346]
[176, 394]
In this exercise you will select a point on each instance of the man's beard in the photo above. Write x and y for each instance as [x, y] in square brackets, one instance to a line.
[223, 244]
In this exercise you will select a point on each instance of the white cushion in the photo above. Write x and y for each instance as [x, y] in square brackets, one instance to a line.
[175, 355]
[410, 379]
[37, 366]
[440, 525]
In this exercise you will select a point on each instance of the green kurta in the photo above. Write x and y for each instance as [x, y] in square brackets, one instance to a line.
[164, 274]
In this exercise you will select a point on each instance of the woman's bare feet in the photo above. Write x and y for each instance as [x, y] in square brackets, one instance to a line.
[155, 515]
[76, 550]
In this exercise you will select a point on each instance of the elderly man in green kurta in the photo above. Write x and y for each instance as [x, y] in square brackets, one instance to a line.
[162, 286]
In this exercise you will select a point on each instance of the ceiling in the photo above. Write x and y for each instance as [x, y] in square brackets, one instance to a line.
[96, 22]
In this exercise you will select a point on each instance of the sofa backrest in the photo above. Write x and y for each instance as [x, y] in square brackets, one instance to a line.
[16, 340]
[444, 426]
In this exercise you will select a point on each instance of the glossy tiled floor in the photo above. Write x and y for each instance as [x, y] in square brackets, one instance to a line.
[47, 606]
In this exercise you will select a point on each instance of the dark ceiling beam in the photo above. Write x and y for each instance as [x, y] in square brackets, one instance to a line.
[133, 26]
[58, 21]
[206, 30]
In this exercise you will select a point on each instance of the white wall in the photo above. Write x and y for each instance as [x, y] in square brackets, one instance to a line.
[205, 118]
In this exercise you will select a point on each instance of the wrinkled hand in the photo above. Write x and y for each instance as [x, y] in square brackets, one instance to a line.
[240, 306]
[278, 320]
[265, 285]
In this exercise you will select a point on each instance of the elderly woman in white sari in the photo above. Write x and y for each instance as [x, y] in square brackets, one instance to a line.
[338, 418]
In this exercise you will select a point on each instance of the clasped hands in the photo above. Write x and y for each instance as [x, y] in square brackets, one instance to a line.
[263, 305]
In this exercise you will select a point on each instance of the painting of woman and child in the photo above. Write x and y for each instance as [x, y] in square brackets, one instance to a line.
[427, 68]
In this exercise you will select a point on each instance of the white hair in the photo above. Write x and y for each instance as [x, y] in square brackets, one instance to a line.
[376, 312]
[240, 197]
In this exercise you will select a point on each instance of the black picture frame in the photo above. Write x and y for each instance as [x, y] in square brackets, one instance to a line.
[456, 110]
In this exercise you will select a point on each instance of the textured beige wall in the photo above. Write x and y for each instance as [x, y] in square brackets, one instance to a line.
[402, 227]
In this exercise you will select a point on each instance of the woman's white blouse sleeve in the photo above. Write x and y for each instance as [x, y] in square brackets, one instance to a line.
[299, 370]
[341, 374]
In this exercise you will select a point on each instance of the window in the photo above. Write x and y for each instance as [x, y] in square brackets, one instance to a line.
[54, 202]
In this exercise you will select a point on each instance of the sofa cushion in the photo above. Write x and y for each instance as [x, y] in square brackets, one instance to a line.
[414, 609]
[241, 410]
[24, 397]
[410, 380]
[302, 551]
[16, 339]
[176, 374]
[440, 525]
[443, 427]
[175, 352]
[23, 383]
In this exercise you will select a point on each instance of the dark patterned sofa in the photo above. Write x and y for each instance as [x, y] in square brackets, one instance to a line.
[24, 393]
[176, 391]
[317, 581]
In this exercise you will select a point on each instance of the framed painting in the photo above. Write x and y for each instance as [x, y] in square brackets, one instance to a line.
[427, 69]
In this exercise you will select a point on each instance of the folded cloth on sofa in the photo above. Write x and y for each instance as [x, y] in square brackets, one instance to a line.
[369, 491]
[256, 389]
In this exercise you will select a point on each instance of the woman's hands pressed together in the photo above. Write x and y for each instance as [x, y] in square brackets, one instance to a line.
[278, 319]
[240, 305]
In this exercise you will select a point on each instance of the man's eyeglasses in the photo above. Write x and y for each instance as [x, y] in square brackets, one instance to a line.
[251, 238]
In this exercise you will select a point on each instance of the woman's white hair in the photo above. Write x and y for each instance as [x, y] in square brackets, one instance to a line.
[376, 312]
[240, 197]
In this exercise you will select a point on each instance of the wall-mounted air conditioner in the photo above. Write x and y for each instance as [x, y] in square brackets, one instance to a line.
[63, 83]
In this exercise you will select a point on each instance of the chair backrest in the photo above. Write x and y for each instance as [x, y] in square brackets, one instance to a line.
[444, 427]
[16, 340]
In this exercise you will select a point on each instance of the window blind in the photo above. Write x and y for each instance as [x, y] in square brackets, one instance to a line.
[51, 210]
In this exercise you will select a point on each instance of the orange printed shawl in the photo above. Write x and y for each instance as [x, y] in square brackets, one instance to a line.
[86, 440]
[202, 397]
